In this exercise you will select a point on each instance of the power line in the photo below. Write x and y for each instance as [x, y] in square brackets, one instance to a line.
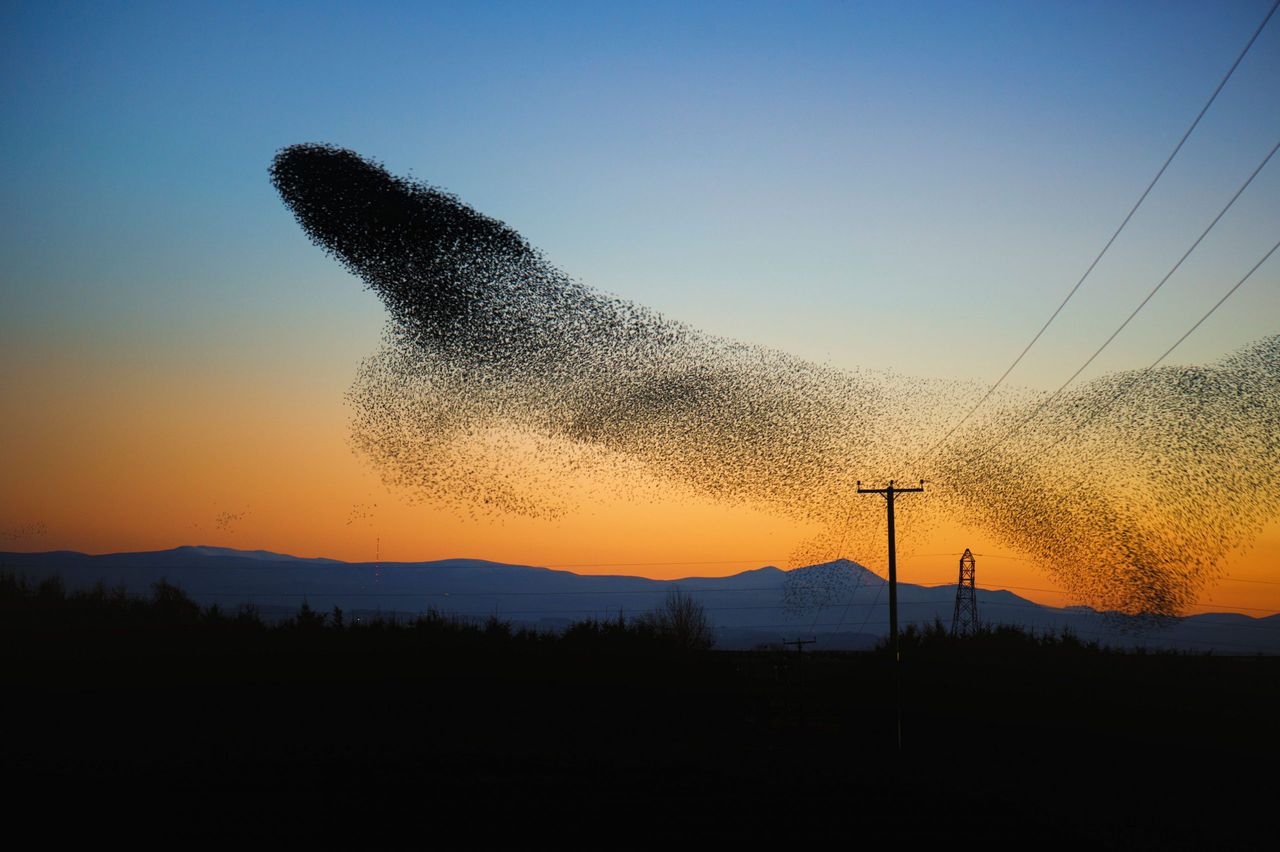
[857, 584]
[258, 593]
[997, 584]
[1136, 310]
[1107, 246]
[642, 564]
[1097, 411]
[952, 555]
[1216, 305]
[1173, 643]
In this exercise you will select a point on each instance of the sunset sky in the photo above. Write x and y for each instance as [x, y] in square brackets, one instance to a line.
[904, 187]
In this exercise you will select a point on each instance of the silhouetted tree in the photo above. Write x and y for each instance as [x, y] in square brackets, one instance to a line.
[172, 605]
[682, 620]
[307, 618]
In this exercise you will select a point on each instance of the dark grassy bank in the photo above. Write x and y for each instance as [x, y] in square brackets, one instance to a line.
[1007, 736]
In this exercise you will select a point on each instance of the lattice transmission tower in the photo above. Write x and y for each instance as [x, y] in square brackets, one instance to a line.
[965, 620]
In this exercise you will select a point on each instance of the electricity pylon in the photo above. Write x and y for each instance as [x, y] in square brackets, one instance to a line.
[965, 620]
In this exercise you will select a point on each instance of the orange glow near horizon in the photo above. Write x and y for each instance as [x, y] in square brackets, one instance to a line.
[119, 456]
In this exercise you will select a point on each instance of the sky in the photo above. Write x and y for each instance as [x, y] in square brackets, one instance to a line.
[905, 187]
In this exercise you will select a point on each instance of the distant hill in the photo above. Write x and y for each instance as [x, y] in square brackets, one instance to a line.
[840, 604]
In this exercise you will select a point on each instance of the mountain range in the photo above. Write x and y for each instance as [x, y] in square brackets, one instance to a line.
[841, 604]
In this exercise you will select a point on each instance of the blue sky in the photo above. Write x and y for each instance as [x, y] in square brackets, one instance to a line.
[853, 182]
[907, 187]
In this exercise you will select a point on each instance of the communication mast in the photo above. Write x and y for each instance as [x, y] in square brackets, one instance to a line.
[965, 620]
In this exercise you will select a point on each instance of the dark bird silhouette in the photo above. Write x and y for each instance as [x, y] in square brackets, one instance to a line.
[1130, 489]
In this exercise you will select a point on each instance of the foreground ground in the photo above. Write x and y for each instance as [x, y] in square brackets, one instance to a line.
[615, 737]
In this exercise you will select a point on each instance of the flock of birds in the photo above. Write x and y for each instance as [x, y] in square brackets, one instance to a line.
[505, 385]
[28, 530]
[227, 521]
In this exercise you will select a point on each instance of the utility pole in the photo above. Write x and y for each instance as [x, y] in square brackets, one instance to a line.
[799, 644]
[965, 620]
[889, 494]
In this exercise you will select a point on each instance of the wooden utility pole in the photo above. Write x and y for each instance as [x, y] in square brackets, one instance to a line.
[799, 646]
[799, 643]
[889, 494]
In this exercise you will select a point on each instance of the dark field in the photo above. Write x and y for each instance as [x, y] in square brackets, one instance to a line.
[616, 735]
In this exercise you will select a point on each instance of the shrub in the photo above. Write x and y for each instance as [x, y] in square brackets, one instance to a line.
[681, 620]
